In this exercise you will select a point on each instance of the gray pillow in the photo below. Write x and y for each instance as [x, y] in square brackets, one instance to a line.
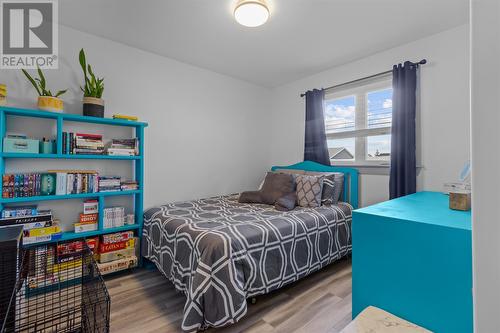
[309, 190]
[250, 197]
[286, 202]
[338, 185]
[293, 172]
[275, 186]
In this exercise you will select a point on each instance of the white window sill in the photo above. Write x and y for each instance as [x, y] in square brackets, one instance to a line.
[370, 168]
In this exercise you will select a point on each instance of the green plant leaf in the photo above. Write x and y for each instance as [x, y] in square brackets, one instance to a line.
[83, 62]
[42, 78]
[32, 82]
[60, 92]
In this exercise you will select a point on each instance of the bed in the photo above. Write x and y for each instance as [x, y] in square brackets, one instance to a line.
[219, 252]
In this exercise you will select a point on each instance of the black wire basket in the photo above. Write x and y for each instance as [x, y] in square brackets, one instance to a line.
[52, 292]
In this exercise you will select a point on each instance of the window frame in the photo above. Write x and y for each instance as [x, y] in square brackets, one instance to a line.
[361, 132]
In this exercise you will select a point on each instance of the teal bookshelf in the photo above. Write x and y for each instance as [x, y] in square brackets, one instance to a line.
[61, 119]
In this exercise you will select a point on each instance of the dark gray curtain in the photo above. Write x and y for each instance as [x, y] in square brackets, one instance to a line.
[403, 175]
[315, 148]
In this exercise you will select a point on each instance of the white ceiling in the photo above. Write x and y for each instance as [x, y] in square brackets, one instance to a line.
[301, 38]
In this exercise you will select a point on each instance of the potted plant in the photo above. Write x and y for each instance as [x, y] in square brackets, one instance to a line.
[46, 100]
[93, 104]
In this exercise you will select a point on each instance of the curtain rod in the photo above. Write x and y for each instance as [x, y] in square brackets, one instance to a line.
[421, 62]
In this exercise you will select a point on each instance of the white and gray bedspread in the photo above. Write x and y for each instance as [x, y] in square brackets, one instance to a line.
[220, 252]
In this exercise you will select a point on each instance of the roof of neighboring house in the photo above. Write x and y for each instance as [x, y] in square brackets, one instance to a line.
[340, 153]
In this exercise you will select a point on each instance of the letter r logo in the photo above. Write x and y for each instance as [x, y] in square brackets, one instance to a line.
[27, 27]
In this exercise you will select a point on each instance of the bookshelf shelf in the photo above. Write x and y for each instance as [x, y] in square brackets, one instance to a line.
[70, 235]
[60, 119]
[68, 196]
[10, 111]
[70, 156]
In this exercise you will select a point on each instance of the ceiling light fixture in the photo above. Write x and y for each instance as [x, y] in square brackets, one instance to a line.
[251, 13]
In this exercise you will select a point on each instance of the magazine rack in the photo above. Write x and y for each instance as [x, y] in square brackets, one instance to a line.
[54, 294]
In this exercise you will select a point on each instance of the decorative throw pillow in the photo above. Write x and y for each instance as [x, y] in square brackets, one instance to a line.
[275, 186]
[250, 197]
[286, 202]
[292, 172]
[337, 186]
[328, 190]
[309, 190]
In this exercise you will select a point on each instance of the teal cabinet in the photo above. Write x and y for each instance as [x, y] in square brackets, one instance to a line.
[412, 256]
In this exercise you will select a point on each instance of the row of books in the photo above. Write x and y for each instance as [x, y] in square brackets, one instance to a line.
[129, 185]
[82, 143]
[38, 225]
[108, 184]
[58, 263]
[105, 248]
[93, 144]
[123, 147]
[117, 251]
[62, 182]
[76, 181]
[113, 217]
[27, 185]
[62, 262]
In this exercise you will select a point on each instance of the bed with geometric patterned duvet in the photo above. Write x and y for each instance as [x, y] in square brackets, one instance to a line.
[219, 252]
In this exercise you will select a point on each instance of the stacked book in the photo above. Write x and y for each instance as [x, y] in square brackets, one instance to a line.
[123, 147]
[125, 117]
[129, 185]
[117, 251]
[76, 181]
[58, 263]
[82, 143]
[109, 184]
[38, 225]
[113, 217]
[73, 250]
[28, 185]
[88, 220]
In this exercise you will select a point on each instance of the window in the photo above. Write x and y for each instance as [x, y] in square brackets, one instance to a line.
[358, 123]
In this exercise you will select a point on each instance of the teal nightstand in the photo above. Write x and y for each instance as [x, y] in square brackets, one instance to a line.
[412, 256]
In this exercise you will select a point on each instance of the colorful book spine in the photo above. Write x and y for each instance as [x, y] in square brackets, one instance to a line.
[64, 139]
[46, 231]
[117, 265]
[86, 218]
[117, 237]
[84, 227]
[42, 239]
[25, 219]
[115, 255]
[128, 244]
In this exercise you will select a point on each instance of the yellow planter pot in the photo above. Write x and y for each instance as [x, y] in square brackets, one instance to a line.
[48, 103]
[3, 94]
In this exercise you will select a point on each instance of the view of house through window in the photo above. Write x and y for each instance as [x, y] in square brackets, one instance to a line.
[358, 123]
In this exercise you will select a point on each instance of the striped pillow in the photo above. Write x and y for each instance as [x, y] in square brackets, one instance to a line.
[328, 190]
[337, 187]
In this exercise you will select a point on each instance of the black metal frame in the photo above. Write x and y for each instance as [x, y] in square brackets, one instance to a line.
[54, 293]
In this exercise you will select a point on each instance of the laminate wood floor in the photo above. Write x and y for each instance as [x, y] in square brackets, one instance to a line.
[145, 301]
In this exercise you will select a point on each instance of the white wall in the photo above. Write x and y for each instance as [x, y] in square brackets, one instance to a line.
[207, 132]
[444, 137]
[485, 119]
[210, 134]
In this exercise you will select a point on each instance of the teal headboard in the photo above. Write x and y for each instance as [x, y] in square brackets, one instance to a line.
[351, 184]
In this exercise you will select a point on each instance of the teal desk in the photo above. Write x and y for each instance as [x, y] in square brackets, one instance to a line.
[412, 256]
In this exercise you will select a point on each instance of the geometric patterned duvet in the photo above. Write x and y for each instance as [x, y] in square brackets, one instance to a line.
[219, 252]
